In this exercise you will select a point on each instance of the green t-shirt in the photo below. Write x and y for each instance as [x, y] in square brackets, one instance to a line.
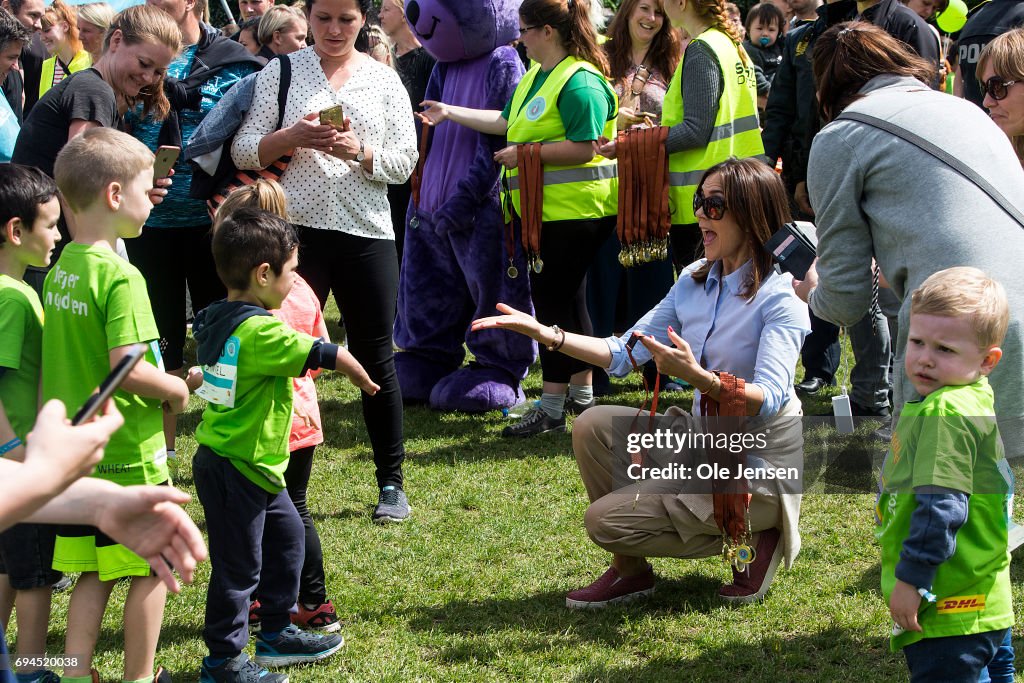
[950, 439]
[21, 348]
[249, 390]
[585, 104]
[95, 301]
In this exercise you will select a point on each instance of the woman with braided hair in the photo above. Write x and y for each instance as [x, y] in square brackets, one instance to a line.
[716, 80]
[562, 194]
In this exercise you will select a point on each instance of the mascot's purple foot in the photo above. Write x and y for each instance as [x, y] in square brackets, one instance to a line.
[476, 389]
[417, 376]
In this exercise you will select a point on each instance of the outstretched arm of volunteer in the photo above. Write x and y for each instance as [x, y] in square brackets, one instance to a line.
[488, 121]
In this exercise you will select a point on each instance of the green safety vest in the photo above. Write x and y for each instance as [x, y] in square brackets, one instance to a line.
[81, 60]
[735, 134]
[589, 190]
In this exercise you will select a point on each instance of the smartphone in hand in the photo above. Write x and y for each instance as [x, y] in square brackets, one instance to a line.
[110, 384]
[166, 157]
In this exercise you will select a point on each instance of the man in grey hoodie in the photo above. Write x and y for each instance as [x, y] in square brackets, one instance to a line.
[880, 197]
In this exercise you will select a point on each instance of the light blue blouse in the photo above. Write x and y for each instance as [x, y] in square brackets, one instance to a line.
[758, 340]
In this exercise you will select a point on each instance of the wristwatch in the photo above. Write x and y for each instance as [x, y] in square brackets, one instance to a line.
[361, 154]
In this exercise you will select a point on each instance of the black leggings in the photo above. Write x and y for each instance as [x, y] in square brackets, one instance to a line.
[560, 289]
[312, 583]
[363, 275]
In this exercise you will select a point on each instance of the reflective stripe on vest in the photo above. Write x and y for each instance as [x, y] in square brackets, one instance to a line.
[81, 60]
[736, 132]
[589, 190]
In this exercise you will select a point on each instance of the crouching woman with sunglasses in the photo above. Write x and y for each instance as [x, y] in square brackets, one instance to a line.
[728, 313]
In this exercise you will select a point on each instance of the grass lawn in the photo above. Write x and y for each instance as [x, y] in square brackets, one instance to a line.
[472, 587]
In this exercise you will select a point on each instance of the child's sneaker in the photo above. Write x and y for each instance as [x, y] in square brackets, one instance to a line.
[293, 646]
[41, 676]
[320, 618]
[239, 669]
[254, 619]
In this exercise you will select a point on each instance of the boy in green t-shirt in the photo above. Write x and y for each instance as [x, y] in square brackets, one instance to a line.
[29, 209]
[943, 506]
[97, 308]
[248, 358]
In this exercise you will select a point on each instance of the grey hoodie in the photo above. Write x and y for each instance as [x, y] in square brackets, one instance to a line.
[878, 196]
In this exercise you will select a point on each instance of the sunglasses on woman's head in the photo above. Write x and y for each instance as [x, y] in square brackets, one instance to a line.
[997, 88]
[713, 205]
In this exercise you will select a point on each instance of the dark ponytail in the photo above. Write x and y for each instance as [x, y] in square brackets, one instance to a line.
[571, 18]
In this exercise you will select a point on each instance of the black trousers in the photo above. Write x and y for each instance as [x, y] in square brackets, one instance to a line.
[820, 352]
[363, 275]
[312, 582]
[170, 259]
[256, 546]
[560, 289]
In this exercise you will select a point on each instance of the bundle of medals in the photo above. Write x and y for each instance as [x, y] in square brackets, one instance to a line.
[531, 201]
[417, 175]
[644, 218]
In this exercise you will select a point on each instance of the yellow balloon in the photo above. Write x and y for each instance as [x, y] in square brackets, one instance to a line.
[953, 18]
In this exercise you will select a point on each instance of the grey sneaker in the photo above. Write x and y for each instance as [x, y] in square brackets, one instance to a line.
[392, 506]
[239, 669]
[293, 646]
[536, 421]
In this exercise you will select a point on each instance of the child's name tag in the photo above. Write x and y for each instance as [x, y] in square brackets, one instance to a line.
[220, 380]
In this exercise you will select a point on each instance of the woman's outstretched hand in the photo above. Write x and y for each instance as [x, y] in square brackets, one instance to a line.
[676, 360]
[434, 113]
[513, 320]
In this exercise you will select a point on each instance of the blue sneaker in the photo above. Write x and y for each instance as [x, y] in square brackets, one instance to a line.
[293, 646]
[239, 669]
[392, 506]
[41, 676]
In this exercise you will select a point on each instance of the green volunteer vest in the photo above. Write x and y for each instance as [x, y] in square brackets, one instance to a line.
[81, 60]
[735, 134]
[579, 192]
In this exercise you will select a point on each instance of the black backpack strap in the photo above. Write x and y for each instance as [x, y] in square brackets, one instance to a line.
[940, 154]
[282, 88]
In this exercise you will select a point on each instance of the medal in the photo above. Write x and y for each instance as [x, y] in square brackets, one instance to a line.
[538, 265]
[512, 272]
[414, 222]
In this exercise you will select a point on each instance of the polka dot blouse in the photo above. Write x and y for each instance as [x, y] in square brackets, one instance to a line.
[323, 191]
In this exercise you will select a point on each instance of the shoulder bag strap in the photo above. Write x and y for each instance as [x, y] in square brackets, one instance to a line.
[943, 156]
[282, 88]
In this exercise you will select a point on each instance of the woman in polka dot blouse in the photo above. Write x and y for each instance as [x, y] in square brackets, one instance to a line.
[336, 185]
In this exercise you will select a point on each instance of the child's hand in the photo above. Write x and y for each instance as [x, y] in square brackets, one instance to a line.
[194, 379]
[903, 605]
[359, 377]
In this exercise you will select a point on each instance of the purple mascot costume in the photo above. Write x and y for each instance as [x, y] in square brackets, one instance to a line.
[455, 261]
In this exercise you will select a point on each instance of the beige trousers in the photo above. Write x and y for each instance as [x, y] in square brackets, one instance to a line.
[656, 524]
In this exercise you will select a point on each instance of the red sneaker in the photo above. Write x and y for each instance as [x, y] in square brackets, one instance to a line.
[254, 618]
[321, 618]
[612, 588]
[751, 584]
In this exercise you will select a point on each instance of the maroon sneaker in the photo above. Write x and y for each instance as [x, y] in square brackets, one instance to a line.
[751, 584]
[612, 588]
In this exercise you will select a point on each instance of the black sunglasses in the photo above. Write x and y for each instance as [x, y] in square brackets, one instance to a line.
[997, 88]
[713, 205]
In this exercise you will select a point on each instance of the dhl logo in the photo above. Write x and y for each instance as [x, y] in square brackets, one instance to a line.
[961, 603]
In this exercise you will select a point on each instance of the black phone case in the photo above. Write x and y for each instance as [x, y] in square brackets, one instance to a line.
[794, 247]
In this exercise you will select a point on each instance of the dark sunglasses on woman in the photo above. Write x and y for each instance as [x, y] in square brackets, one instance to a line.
[713, 205]
[997, 88]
